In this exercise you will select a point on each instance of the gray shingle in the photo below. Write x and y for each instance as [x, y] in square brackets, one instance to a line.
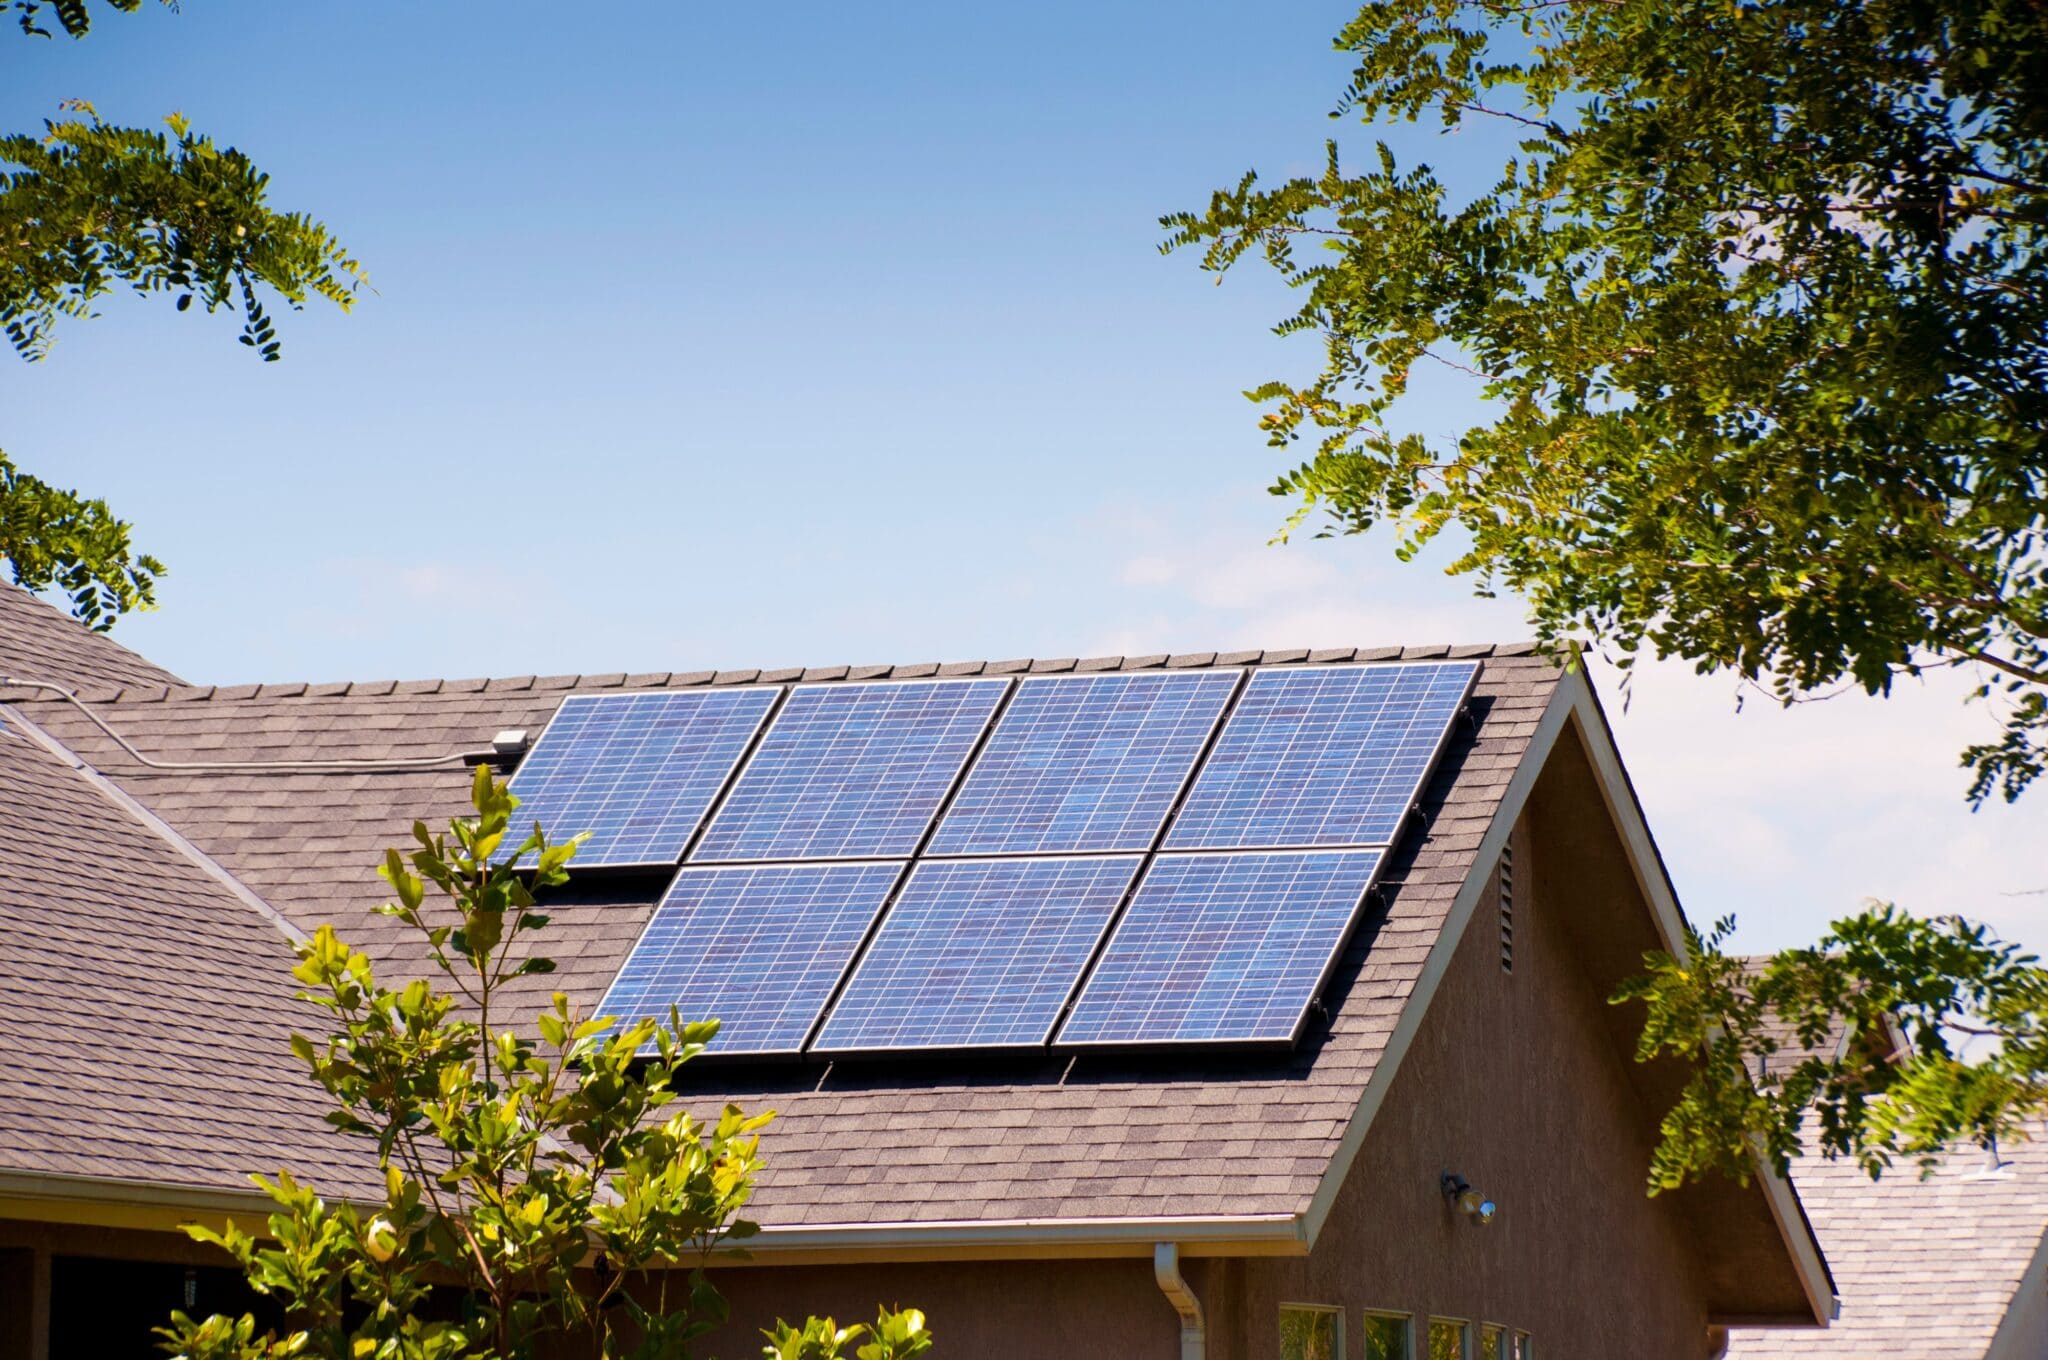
[1926, 1269]
[940, 1146]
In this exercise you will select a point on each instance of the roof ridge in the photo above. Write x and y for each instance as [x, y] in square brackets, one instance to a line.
[291, 689]
[35, 632]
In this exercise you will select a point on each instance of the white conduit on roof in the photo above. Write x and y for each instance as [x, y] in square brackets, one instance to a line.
[362, 763]
[1194, 1341]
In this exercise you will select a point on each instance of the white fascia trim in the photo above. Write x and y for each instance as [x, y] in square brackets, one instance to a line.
[1654, 880]
[130, 1193]
[1260, 1234]
[1266, 1234]
[1409, 1023]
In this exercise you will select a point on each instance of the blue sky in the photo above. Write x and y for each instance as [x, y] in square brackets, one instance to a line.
[739, 335]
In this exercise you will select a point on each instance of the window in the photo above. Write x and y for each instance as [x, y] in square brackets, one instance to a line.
[1449, 1339]
[1311, 1332]
[1386, 1336]
[1525, 1349]
[1493, 1342]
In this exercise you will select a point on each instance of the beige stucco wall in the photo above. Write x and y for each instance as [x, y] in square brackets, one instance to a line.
[1514, 1083]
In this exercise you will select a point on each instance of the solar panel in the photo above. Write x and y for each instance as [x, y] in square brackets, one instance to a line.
[978, 953]
[638, 771]
[1322, 756]
[852, 770]
[758, 948]
[1222, 948]
[1085, 763]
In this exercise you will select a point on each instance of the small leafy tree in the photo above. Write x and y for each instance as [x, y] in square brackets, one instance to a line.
[538, 1188]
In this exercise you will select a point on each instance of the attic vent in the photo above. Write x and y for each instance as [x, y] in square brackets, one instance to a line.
[1507, 908]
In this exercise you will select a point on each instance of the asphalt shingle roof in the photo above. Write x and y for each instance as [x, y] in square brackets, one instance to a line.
[1104, 1137]
[37, 642]
[148, 1008]
[1926, 1269]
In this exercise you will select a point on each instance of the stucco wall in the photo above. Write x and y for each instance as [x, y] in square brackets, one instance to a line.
[1513, 1081]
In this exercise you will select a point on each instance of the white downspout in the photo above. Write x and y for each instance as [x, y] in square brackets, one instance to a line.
[1194, 1341]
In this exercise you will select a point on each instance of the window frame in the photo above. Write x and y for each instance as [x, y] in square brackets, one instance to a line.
[1466, 1336]
[1325, 1309]
[1407, 1324]
[1503, 1341]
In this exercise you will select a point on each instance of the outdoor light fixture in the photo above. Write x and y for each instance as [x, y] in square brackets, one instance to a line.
[1459, 1193]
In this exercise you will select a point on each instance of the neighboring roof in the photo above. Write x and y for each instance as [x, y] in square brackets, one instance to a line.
[39, 642]
[1926, 1269]
[148, 1007]
[1793, 1050]
[1103, 1138]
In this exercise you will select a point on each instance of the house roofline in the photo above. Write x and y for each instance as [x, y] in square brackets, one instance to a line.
[127, 1202]
[1574, 705]
[1647, 862]
[116, 1201]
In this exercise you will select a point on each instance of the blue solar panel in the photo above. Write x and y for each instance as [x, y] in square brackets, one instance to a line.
[978, 953]
[1085, 763]
[638, 771]
[758, 948]
[1222, 948]
[1322, 756]
[852, 770]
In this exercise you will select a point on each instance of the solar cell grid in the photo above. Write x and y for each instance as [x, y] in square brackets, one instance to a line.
[759, 948]
[1322, 756]
[1222, 948]
[851, 770]
[978, 953]
[1087, 763]
[637, 771]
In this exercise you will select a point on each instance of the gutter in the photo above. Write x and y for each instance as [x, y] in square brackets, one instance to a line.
[134, 1203]
[1194, 1339]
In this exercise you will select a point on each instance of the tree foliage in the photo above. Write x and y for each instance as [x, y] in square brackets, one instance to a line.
[73, 16]
[1855, 1047]
[51, 537]
[1760, 309]
[540, 1187]
[88, 207]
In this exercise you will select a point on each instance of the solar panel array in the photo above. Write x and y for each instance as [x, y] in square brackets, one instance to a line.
[759, 946]
[1223, 948]
[1125, 859]
[851, 770]
[1089, 763]
[979, 953]
[637, 771]
[1319, 756]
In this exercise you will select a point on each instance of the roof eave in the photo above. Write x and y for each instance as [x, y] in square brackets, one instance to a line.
[120, 1202]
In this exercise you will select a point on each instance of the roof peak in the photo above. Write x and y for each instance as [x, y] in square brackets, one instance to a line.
[145, 693]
